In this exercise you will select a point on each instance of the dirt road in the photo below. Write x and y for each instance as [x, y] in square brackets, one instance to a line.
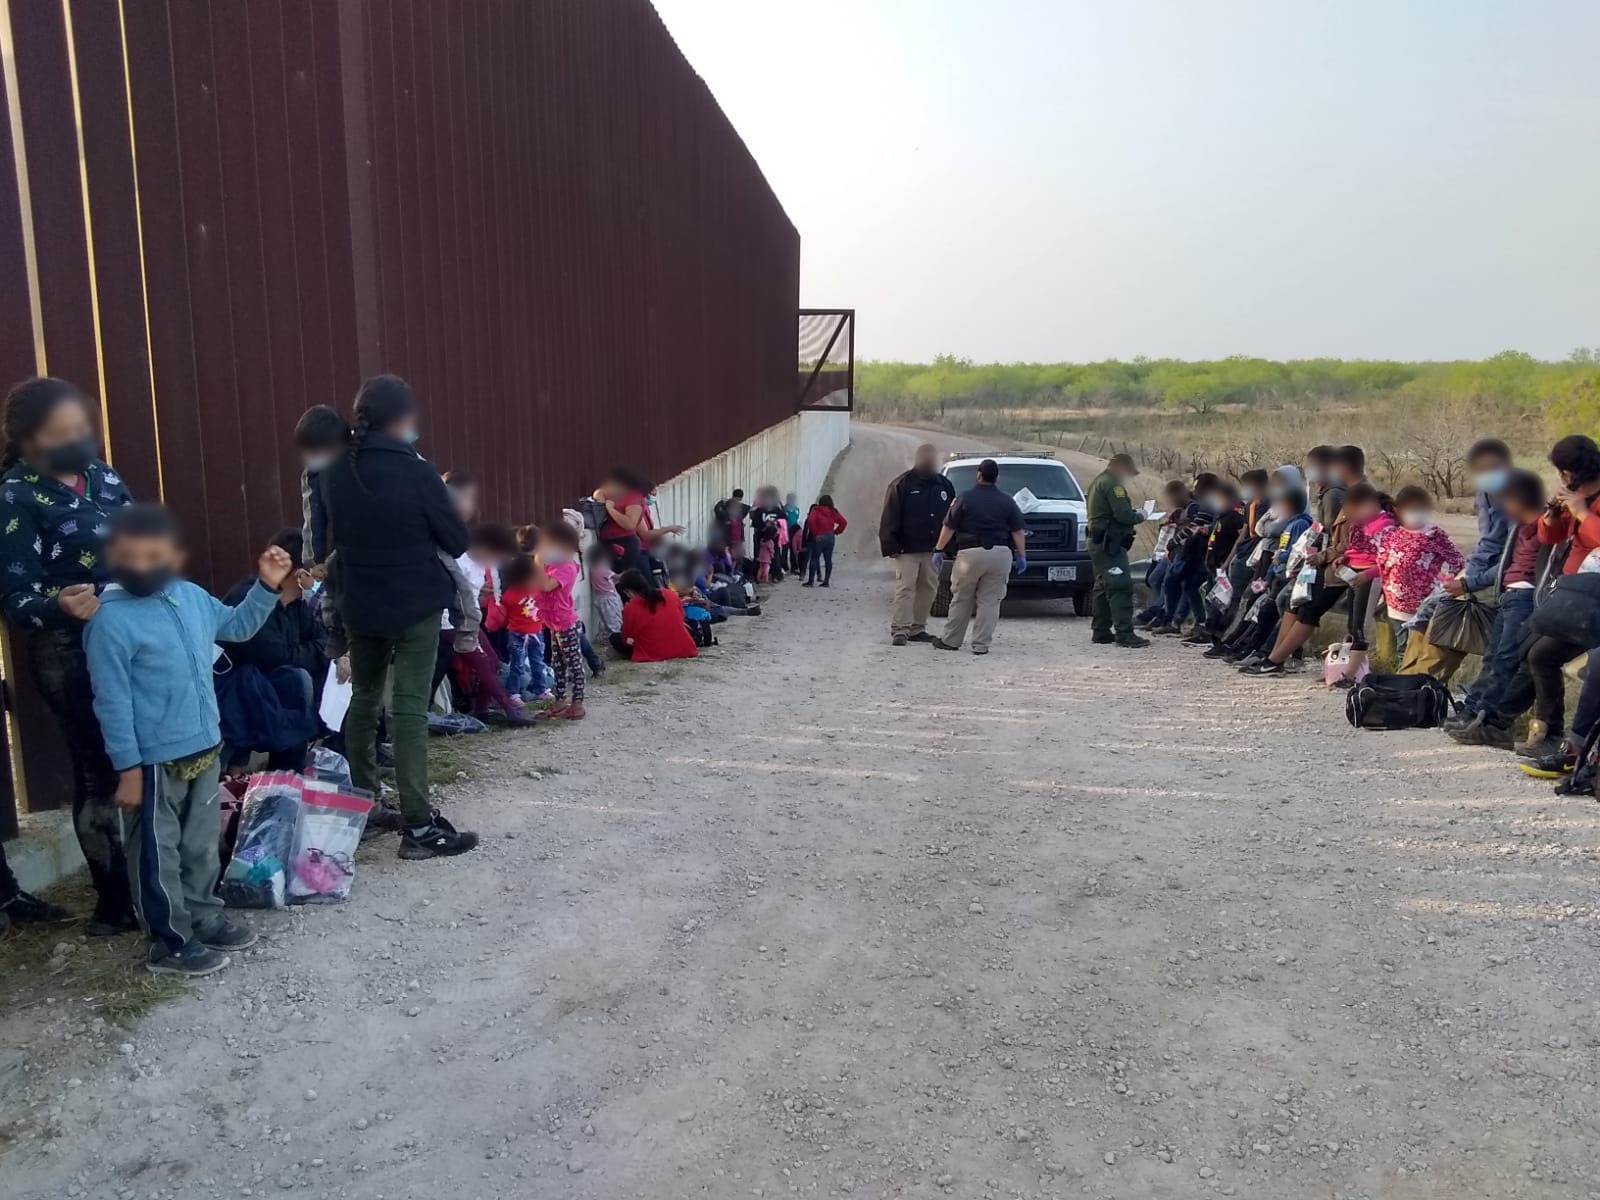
[817, 916]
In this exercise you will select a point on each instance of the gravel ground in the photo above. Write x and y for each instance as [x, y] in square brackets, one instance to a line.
[817, 916]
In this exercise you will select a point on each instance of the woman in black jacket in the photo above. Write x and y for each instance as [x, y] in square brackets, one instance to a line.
[56, 501]
[392, 527]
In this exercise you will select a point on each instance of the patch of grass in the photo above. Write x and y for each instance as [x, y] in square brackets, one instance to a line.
[445, 762]
[106, 975]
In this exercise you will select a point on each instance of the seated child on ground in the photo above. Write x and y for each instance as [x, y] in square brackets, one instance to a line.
[149, 651]
[653, 628]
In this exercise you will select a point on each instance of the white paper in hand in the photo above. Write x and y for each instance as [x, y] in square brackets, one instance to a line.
[335, 699]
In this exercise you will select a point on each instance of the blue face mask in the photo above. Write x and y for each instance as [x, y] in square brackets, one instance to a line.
[1492, 481]
[411, 437]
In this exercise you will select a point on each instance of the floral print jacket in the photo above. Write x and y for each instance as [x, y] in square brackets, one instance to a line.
[1411, 563]
[50, 538]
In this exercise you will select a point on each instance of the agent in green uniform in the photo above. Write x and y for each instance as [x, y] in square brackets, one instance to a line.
[1112, 518]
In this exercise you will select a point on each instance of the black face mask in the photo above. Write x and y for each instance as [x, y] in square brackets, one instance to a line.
[144, 583]
[73, 458]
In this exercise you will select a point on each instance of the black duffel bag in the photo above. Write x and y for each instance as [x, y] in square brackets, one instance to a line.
[1397, 702]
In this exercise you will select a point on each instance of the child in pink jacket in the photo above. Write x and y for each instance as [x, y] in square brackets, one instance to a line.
[1414, 555]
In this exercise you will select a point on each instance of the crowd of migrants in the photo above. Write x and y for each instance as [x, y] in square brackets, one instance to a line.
[1249, 570]
[388, 583]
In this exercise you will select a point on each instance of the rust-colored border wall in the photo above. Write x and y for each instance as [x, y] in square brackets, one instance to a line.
[533, 209]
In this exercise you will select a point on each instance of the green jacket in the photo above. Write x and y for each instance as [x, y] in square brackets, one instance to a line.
[1109, 505]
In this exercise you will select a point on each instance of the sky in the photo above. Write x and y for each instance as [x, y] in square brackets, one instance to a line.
[1043, 180]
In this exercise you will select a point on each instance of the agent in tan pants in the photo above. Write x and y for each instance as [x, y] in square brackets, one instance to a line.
[978, 585]
[915, 582]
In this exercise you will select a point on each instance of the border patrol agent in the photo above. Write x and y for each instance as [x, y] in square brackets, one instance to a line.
[1112, 518]
[986, 527]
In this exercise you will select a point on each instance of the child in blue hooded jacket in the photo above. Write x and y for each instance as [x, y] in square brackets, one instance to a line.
[149, 648]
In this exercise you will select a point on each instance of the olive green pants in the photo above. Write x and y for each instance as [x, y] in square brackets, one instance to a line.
[410, 654]
[1112, 610]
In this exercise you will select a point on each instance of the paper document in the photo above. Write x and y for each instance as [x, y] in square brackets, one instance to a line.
[335, 699]
[1026, 500]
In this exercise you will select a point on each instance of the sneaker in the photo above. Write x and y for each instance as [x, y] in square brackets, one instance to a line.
[111, 923]
[1263, 669]
[899, 639]
[1199, 637]
[808, 583]
[1294, 665]
[980, 649]
[1103, 639]
[752, 610]
[1132, 641]
[1164, 629]
[1543, 748]
[1253, 659]
[1478, 732]
[572, 712]
[1218, 650]
[228, 935]
[941, 644]
[383, 818]
[825, 583]
[924, 636]
[27, 909]
[193, 961]
[1551, 766]
[439, 840]
[1460, 721]
[386, 754]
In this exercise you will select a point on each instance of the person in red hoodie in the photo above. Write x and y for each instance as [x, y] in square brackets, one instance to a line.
[824, 523]
[1574, 512]
[653, 628]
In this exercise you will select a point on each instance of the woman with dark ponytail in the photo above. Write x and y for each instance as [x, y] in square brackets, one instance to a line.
[56, 501]
[392, 524]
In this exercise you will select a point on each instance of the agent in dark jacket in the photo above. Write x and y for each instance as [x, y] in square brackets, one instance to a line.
[390, 519]
[56, 501]
[914, 509]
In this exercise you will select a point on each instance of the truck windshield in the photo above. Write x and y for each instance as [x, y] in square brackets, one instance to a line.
[1046, 480]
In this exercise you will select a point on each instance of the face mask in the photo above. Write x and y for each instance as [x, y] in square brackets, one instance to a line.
[73, 458]
[553, 558]
[1247, 494]
[1415, 518]
[320, 462]
[410, 437]
[144, 583]
[1492, 481]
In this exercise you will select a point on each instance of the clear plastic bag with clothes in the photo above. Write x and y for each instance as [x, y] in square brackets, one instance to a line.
[257, 876]
[323, 864]
[328, 766]
[1221, 594]
[1305, 586]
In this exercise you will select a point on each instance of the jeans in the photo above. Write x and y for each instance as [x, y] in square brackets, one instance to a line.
[1539, 682]
[526, 671]
[819, 552]
[595, 663]
[62, 674]
[410, 654]
[1156, 579]
[1181, 596]
[1504, 655]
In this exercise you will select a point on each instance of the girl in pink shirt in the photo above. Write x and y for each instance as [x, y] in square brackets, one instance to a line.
[553, 583]
[1414, 555]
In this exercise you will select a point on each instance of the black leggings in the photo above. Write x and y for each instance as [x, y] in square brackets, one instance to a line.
[62, 673]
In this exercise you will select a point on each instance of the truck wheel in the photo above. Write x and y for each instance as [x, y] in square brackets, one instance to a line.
[941, 598]
[1080, 603]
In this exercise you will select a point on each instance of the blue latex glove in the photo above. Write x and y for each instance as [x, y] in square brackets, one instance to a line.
[1021, 564]
[938, 561]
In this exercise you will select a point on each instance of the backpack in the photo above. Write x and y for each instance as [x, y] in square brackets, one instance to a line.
[700, 630]
[1398, 702]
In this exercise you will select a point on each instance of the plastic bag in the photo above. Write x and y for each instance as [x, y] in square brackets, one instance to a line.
[328, 766]
[1221, 594]
[257, 876]
[1305, 584]
[1461, 625]
[453, 723]
[323, 869]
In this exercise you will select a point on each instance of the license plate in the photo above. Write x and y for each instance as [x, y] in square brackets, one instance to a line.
[1062, 574]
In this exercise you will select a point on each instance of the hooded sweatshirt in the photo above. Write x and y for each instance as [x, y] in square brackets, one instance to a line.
[1293, 525]
[150, 664]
